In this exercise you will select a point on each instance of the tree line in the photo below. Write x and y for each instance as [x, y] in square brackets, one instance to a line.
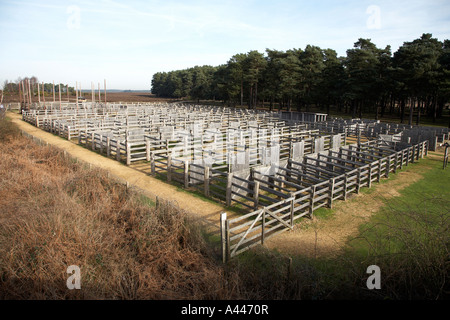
[13, 87]
[413, 80]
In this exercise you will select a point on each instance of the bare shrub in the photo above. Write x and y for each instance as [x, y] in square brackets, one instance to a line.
[56, 214]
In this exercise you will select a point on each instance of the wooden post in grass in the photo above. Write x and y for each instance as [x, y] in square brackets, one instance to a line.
[225, 236]
[53, 90]
[105, 92]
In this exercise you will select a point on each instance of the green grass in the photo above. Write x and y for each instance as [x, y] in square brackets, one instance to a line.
[420, 212]
[146, 201]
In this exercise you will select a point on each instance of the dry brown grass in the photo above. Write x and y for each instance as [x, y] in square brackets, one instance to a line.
[55, 213]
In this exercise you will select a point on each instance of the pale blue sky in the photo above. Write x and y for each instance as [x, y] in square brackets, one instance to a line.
[126, 42]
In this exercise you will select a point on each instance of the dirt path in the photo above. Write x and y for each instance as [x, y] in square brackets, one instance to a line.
[327, 237]
[205, 211]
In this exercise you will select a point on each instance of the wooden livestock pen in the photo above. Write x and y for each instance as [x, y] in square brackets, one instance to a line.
[306, 186]
[276, 167]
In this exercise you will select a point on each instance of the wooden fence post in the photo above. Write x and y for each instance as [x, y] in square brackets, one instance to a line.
[256, 195]
[147, 149]
[401, 159]
[380, 162]
[169, 167]
[345, 186]
[388, 166]
[128, 153]
[292, 195]
[408, 151]
[118, 147]
[228, 192]
[108, 147]
[330, 192]
[93, 141]
[186, 174]
[311, 200]
[152, 164]
[223, 235]
[263, 226]
[423, 149]
[395, 162]
[206, 181]
[358, 180]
